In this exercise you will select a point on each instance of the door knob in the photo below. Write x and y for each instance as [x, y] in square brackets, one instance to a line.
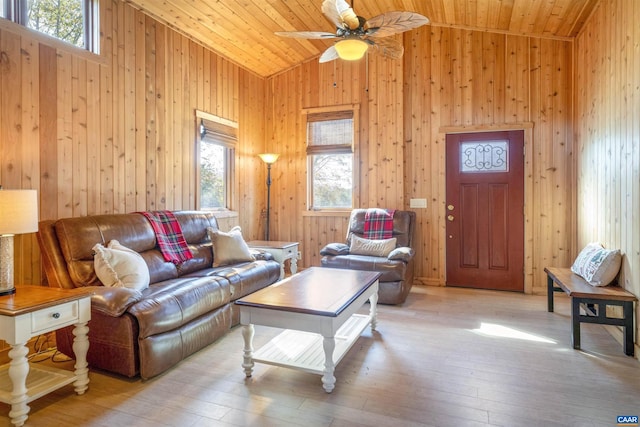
[450, 217]
[450, 207]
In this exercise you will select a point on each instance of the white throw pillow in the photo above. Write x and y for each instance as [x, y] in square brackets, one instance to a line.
[120, 267]
[381, 248]
[597, 265]
[229, 248]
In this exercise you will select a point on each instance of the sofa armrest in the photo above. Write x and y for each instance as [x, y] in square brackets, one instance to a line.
[335, 249]
[113, 301]
[260, 254]
[402, 254]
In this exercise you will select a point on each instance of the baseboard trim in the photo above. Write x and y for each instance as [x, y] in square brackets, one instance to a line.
[425, 281]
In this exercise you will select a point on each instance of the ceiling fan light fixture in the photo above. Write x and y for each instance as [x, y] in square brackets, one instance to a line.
[351, 49]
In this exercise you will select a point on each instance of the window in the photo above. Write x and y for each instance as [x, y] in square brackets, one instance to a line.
[484, 156]
[72, 21]
[217, 138]
[331, 136]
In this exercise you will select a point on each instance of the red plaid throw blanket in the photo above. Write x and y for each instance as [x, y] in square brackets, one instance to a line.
[169, 236]
[378, 223]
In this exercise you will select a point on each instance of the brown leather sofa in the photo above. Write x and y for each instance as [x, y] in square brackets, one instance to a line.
[185, 308]
[397, 268]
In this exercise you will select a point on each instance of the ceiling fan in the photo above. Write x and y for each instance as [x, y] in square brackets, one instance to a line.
[358, 34]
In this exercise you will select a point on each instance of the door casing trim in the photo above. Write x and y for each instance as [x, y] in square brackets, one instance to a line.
[527, 128]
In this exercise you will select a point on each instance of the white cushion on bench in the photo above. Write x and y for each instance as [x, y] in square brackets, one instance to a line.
[597, 265]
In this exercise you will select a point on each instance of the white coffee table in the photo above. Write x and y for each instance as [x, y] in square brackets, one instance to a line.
[317, 308]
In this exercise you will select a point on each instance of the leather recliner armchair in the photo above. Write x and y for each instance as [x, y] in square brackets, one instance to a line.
[397, 267]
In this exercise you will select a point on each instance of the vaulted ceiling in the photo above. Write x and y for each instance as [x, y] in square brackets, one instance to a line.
[243, 30]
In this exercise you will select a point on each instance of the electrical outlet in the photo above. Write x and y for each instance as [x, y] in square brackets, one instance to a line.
[418, 203]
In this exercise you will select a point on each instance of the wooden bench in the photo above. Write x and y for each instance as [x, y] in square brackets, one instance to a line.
[594, 301]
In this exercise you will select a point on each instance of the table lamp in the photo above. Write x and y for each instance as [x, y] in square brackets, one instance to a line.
[18, 215]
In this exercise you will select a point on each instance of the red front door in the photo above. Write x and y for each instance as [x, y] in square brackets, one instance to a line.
[485, 210]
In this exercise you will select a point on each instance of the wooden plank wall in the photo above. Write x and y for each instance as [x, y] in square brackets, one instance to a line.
[116, 132]
[448, 78]
[608, 134]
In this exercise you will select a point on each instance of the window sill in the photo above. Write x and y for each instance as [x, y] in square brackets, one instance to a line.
[223, 213]
[328, 213]
[42, 38]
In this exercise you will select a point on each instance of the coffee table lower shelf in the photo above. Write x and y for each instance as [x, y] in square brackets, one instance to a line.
[303, 350]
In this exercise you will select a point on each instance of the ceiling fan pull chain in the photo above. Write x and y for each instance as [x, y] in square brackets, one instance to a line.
[335, 82]
[366, 71]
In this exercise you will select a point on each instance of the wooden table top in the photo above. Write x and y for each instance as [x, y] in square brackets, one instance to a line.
[316, 290]
[31, 298]
[576, 286]
[270, 244]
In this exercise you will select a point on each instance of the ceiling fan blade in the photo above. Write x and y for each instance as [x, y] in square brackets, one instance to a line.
[331, 12]
[387, 47]
[329, 55]
[391, 23]
[340, 14]
[306, 34]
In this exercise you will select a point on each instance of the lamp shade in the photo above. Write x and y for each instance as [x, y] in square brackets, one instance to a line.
[351, 49]
[18, 211]
[269, 158]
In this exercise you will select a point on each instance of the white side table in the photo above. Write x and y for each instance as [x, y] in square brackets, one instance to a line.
[281, 252]
[32, 311]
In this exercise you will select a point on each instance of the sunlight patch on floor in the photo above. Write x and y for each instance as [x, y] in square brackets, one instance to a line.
[494, 330]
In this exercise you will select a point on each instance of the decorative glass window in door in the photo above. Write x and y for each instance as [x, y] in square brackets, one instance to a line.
[484, 156]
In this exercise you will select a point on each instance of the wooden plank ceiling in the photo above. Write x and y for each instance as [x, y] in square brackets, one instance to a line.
[243, 30]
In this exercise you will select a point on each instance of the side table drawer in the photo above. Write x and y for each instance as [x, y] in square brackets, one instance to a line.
[52, 317]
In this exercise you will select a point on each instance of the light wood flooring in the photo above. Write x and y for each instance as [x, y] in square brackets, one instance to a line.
[428, 364]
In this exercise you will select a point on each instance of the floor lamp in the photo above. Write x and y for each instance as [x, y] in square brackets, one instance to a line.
[18, 215]
[269, 159]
